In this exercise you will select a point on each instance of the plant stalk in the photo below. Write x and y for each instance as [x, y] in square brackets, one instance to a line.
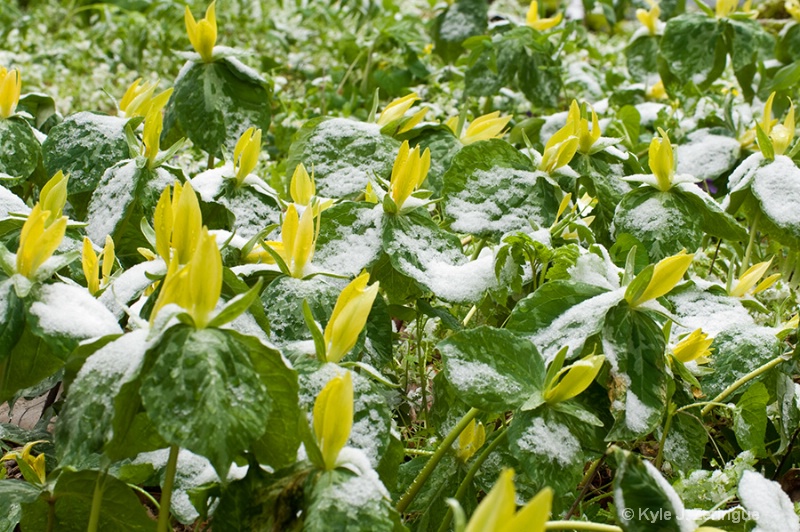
[166, 492]
[444, 446]
[739, 383]
[97, 502]
[750, 244]
[580, 525]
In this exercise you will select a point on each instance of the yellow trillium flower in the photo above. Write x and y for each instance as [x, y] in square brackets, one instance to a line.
[497, 512]
[750, 277]
[396, 109]
[53, 196]
[333, 417]
[177, 223]
[153, 126]
[349, 317]
[197, 285]
[586, 137]
[38, 240]
[657, 91]
[37, 464]
[662, 161]
[488, 126]
[666, 274]
[10, 87]
[302, 188]
[297, 243]
[574, 379]
[695, 346]
[138, 99]
[203, 34]
[470, 440]
[782, 135]
[245, 154]
[649, 18]
[540, 24]
[724, 8]
[560, 148]
[369, 194]
[409, 171]
[793, 8]
[90, 264]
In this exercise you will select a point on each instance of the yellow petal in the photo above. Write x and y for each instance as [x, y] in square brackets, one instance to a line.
[533, 516]
[415, 119]
[10, 87]
[452, 123]
[349, 317]
[291, 222]
[151, 136]
[108, 258]
[497, 508]
[38, 242]
[333, 417]
[404, 179]
[793, 8]
[782, 135]
[470, 440]
[53, 196]
[89, 263]
[397, 108]
[662, 161]
[485, 127]
[575, 378]
[667, 273]
[766, 120]
[205, 278]
[175, 289]
[692, 347]
[186, 224]
[162, 220]
[766, 283]
[303, 248]
[302, 187]
[749, 278]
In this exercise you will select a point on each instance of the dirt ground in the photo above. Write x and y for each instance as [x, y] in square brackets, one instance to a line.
[24, 414]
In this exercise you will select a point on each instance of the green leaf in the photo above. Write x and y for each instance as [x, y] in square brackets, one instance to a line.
[12, 318]
[491, 189]
[203, 394]
[639, 283]
[31, 361]
[686, 442]
[764, 143]
[492, 369]
[641, 55]
[18, 491]
[85, 425]
[342, 500]
[750, 418]
[444, 145]
[459, 21]
[563, 313]
[644, 499]
[662, 221]
[84, 146]
[634, 346]
[120, 508]
[788, 47]
[283, 304]
[349, 238]
[715, 221]
[693, 49]
[20, 151]
[316, 333]
[214, 103]
[345, 155]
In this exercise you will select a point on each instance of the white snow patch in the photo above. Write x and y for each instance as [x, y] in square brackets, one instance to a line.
[767, 504]
[550, 439]
[63, 309]
[707, 156]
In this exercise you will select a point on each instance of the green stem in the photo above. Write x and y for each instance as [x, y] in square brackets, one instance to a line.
[418, 482]
[51, 514]
[701, 403]
[478, 248]
[97, 502]
[739, 383]
[470, 314]
[166, 492]
[663, 441]
[473, 470]
[210, 161]
[750, 244]
[580, 525]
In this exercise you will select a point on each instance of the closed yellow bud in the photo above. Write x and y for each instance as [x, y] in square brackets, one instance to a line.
[298, 239]
[782, 135]
[793, 8]
[649, 18]
[37, 464]
[53, 196]
[409, 171]
[108, 258]
[37, 241]
[667, 273]
[693, 347]
[662, 161]
[245, 154]
[489, 126]
[470, 440]
[187, 221]
[396, 109]
[151, 136]
[349, 317]
[10, 87]
[203, 34]
[540, 24]
[139, 99]
[333, 417]
[302, 187]
[574, 379]
[162, 222]
[89, 262]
